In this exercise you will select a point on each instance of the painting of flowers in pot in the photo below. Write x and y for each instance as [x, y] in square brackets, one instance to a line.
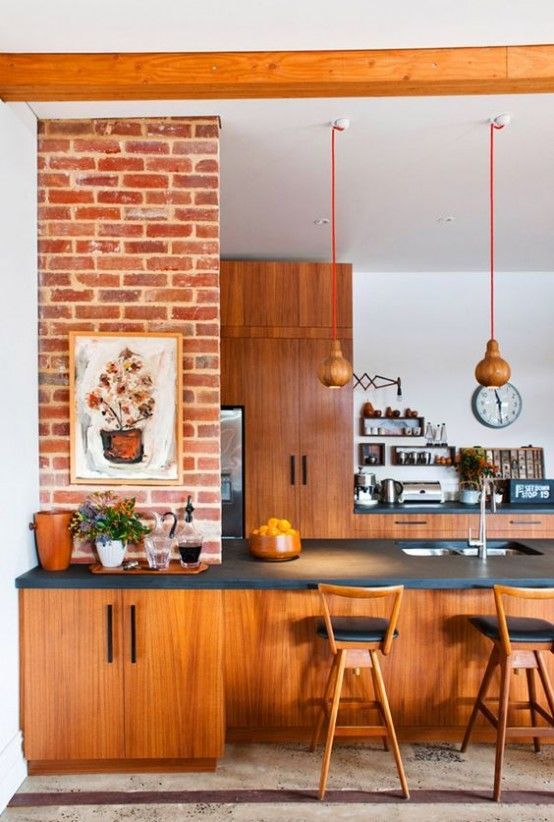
[125, 396]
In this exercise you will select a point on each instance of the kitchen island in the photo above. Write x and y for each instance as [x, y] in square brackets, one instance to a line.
[232, 653]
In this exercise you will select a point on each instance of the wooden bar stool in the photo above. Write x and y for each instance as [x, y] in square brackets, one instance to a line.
[518, 643]
[355, 643]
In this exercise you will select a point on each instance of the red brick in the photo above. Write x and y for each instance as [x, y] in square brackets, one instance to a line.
[146, 213]
[207, 263]
[146, 247]
[195, 147]
[206, 329]
[169, 295]
[70, 263]
[206, 130]
[99, 146]
[50, 412]
[97, 312]
[206, 166]
[122, 197]
[97, 246]
[123, 326]
[208, 514]
[208, 430]
[195, 247]
[146, 180]
[206, 197]
[208, 380]
[95, 279]
[64, 195]
[168, 129]
[120, 164]
[119, 127]
[70, 229]
[145, 312]
[97, 213]
[54, 246]
[72, 163]
[53, 180]
[61, 463]
[168, 263]
[49, 146]
[54, 446]
[168, 197]
[168, 496]
[61, 429]
[181, 164]
[72, 295]
[142, 278]
[121, 295]
[195, 279]
[168, 230]
[197, 215]
[205, 232]
[203, 479]
[114, 263]
[59, 278]
[195, 181]
[53, 312]
[120, 230]
[67, 127]
[97, 180]
[200, 345]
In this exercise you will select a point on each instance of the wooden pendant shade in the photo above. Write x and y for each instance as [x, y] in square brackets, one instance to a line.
[492, 371]
[335, 371]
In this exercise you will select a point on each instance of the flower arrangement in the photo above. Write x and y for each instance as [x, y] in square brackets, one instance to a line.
[103, 517]
[473, 466]
[124, 393]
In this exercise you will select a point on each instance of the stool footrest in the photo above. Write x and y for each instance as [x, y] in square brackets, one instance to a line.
[361, 730]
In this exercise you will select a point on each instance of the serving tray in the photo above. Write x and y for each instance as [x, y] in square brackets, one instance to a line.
[174, 568]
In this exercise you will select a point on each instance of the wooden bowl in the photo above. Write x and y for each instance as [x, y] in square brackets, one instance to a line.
[275, 549]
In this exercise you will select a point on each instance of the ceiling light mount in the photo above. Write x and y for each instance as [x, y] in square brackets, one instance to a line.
[341, 124]
[501, 120]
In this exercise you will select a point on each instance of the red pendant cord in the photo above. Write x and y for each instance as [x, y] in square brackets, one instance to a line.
[493, 127]
[333, 237]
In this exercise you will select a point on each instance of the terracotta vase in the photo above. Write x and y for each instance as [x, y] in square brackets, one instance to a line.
[123, 446]
[53, 539]
[275, 549]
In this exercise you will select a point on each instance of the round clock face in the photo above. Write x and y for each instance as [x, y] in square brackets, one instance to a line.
[497, 407]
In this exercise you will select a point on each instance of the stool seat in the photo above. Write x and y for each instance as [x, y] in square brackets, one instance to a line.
[520, 629]
[356, 629]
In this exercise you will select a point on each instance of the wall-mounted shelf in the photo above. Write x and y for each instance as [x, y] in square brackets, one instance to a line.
[424, 456]
[392, 426]
[372, 453]
[518, 463]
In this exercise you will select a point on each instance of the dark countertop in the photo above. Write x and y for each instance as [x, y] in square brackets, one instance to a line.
[347, 562]
[449, 508]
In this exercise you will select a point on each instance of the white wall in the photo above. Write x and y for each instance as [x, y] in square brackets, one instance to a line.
[431, 330]
[18, 409]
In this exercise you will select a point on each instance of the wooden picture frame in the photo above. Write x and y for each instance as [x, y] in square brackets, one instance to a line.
[126, 408]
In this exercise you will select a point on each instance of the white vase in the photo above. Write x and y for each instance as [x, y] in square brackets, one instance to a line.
[469, 496]
[111, 552]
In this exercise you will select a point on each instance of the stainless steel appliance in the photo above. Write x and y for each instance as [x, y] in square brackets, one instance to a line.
[422, 492]
[390, 491]
[365, 485]
[232, 471]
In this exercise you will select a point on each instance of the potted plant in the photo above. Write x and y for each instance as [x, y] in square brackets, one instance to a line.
[473, 466]
[111, 523]
[123, 397]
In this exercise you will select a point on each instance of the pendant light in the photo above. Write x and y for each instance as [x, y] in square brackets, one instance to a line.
[492, 371]
[335, 370]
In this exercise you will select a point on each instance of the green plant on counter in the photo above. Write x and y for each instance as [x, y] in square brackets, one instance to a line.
[473, 467]
[103, 517]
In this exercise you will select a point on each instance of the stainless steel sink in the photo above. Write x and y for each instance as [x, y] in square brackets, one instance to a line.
[452, 548]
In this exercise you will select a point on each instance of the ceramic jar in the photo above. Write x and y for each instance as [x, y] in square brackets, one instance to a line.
[111, 552]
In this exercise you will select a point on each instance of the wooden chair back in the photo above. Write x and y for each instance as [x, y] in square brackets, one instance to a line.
[395, 592]
[519, 593]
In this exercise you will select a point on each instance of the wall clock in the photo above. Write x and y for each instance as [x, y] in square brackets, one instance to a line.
[497, 407]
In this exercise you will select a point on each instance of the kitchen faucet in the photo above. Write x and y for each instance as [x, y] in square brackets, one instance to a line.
[481, 542]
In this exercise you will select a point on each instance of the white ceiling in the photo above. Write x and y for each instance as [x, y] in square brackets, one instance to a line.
[242, 25]
[404, 163]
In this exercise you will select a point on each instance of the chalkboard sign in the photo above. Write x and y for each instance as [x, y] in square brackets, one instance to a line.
[532, 492]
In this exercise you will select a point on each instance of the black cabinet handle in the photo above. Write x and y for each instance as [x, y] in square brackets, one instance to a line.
[525, 522]
[304, 469]
[109, 629]
[133, 634]
[410, 522]
[292, 469]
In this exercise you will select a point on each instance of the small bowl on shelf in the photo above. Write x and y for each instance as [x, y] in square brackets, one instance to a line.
[279, 548]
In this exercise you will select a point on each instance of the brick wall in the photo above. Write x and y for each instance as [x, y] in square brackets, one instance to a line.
[129, 241]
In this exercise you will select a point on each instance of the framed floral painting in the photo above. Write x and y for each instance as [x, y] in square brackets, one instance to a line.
[125, 408]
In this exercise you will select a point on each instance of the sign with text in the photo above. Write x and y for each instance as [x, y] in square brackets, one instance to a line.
[538, 492]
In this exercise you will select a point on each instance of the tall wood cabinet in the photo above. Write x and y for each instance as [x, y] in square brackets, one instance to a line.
[298, 434]
[112, 678]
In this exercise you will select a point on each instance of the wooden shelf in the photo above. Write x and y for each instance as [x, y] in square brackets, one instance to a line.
[368, 451]
[417, 451]
[391, 426]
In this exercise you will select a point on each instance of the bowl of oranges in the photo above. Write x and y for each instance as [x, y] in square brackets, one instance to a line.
[276, 541]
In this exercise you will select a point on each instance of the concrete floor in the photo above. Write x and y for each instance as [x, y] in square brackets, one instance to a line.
[353, 767]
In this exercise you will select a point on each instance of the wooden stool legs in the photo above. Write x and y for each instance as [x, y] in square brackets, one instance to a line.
[530, 660]
[386, 731]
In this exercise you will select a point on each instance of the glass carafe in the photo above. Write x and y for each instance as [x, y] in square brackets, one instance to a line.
[188, 539]
[159, 542]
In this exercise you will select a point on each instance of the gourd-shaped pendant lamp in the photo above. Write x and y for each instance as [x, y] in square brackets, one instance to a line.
[492, 371]
[335, 370]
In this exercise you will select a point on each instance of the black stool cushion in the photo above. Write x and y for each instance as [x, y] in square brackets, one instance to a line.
[357, 629]
[520, 629]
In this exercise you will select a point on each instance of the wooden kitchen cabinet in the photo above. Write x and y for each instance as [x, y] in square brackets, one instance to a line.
[298, 434]
[415, 526]
[525, 526]
[121, 679]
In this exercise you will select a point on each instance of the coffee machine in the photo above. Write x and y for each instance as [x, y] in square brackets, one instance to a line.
[365, 487]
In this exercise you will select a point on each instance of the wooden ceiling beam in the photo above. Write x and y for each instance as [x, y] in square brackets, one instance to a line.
[398, 72]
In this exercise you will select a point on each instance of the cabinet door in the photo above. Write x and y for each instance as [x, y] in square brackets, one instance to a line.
[259, 293]
[72, 685]
[263, 375]
[174, 700]
[315, 292]
[414, 526]
[525, 526]
[326, 473]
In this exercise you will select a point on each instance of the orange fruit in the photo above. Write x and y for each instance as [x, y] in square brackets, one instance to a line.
[273, 522]
[284, 525]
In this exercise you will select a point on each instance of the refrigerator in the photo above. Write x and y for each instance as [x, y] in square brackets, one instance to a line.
[232, 471]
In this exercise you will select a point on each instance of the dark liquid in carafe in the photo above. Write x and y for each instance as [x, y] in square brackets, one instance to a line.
[190, 553]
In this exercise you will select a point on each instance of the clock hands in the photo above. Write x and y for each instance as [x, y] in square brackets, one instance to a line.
[499, 403]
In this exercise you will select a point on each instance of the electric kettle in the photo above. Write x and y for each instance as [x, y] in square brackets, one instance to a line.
[391, 491]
